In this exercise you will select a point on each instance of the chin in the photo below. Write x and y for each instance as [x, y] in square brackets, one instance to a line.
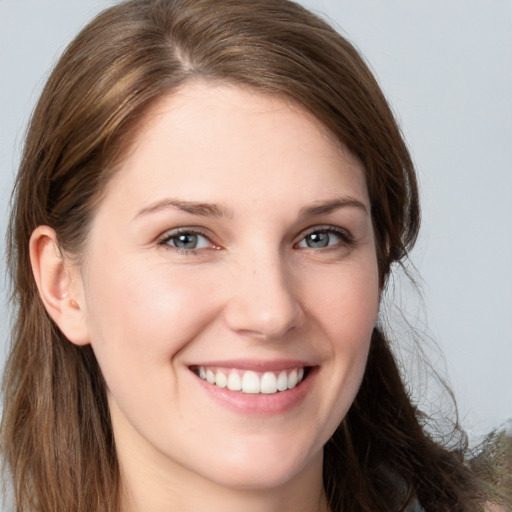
[265, 469]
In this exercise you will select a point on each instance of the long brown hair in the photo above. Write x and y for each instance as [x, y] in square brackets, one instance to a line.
[57, 440]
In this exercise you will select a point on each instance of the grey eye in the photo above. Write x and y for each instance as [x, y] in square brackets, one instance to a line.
[188, 241]
[317, 240]
[321, 239]
[185, 241]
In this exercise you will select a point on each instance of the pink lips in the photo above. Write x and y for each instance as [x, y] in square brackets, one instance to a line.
[251, 401]
[257, 365]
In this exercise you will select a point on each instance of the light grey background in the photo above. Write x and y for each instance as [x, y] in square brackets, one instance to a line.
[446, 67]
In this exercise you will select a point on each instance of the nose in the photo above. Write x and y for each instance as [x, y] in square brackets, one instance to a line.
[263, 300]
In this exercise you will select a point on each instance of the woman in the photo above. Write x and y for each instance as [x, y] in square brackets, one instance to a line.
[211, 198]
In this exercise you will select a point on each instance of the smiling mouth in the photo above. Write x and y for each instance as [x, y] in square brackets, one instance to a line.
[251, 382]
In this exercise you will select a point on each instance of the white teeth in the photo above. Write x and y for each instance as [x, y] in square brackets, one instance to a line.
[220, 379]
[268, 383]
[292, 379]
[252, 382]
[210, 376]
[234, 382]
[282, 381]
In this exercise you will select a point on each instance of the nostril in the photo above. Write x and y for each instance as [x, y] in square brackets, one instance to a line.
[266, 321]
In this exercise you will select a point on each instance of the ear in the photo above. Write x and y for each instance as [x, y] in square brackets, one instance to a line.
[59, 285]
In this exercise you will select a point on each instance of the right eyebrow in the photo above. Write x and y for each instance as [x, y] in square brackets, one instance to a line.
[323, 208]
[193, 207]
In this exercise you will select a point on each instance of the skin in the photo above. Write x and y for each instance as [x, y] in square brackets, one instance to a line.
[253, 290]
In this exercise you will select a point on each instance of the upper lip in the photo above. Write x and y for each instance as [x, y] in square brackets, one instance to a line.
[257, 365]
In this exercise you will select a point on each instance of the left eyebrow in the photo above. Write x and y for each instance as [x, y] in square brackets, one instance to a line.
[323, 208]
[195, 208]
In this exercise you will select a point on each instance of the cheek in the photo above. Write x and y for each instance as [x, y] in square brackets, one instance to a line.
[346, 302]
[138, 313]
[353, 321]
[345, 309]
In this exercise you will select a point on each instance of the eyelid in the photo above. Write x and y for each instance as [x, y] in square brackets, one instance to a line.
[163, 239]
[343, 233]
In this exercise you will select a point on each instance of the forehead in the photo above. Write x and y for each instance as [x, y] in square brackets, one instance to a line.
[221, 140]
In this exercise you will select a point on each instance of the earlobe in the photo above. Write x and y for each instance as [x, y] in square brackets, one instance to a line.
[59, 285]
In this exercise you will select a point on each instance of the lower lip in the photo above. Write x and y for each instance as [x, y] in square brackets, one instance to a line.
[260, 404]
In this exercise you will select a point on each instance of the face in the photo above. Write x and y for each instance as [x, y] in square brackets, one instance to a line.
[233, 249]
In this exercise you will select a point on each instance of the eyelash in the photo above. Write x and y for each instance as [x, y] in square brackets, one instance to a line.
[164, 241]
[347, 240]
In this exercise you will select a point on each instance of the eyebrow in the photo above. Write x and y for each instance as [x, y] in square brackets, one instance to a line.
[214, 210]
[195, 208]
[325, 207]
